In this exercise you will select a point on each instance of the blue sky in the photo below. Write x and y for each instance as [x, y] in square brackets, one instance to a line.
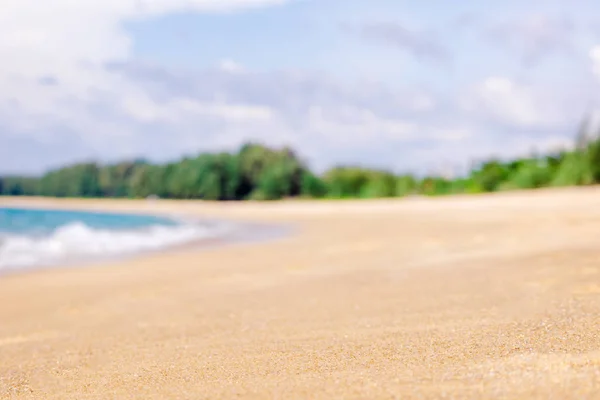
[422, 86]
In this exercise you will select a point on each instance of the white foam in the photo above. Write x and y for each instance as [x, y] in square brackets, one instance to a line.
[77, 240]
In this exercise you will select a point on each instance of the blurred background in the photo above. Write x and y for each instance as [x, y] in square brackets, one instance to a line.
[426, 89]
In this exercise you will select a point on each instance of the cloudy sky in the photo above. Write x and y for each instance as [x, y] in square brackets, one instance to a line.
[407, 85]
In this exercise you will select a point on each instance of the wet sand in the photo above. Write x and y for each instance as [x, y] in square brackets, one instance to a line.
[494, 296]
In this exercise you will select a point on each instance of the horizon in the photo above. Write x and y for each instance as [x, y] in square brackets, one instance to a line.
[390, 85]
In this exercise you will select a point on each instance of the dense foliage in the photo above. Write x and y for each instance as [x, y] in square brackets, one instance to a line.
[260, 173]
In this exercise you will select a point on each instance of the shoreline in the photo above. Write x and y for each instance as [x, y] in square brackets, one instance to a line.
[237, 233]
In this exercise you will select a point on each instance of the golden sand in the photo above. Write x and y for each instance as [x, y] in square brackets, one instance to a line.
[464, 297]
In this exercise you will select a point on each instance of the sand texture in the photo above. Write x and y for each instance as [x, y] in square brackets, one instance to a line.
[494, 296]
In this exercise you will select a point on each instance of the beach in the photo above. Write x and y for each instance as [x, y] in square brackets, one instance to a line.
[483, 296]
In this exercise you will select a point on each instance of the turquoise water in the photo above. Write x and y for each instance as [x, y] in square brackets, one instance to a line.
[31, 237]
[39, 222]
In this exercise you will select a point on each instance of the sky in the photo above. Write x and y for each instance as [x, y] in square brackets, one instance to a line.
[422, 86]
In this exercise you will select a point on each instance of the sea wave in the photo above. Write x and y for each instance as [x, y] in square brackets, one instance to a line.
[77, 240]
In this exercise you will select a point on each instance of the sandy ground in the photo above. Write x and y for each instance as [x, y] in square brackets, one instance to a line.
[464, 297]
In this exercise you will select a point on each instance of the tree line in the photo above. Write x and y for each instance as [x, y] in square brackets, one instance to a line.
[257, 172]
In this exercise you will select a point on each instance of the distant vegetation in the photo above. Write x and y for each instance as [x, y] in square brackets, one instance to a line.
[261, 173]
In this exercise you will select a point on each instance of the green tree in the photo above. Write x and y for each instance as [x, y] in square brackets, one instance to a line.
[406, 185]
[313, 186]
[379, 184]
[260, 172]
[344, 182]
[491, 174]
[435, 186]
[531, 174]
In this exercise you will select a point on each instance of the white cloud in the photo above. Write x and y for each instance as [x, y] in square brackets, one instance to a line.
[357, 126]
[452, 134]
[71, 41]
[422, 102]
[595, 57]
[535, 36]
[231, 66]
[238, 112]
[511, 103]
[178, 110]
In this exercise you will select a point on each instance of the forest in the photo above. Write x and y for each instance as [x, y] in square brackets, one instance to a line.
[257, 172]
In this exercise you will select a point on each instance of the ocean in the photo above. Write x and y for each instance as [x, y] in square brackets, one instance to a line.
[33, 237]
